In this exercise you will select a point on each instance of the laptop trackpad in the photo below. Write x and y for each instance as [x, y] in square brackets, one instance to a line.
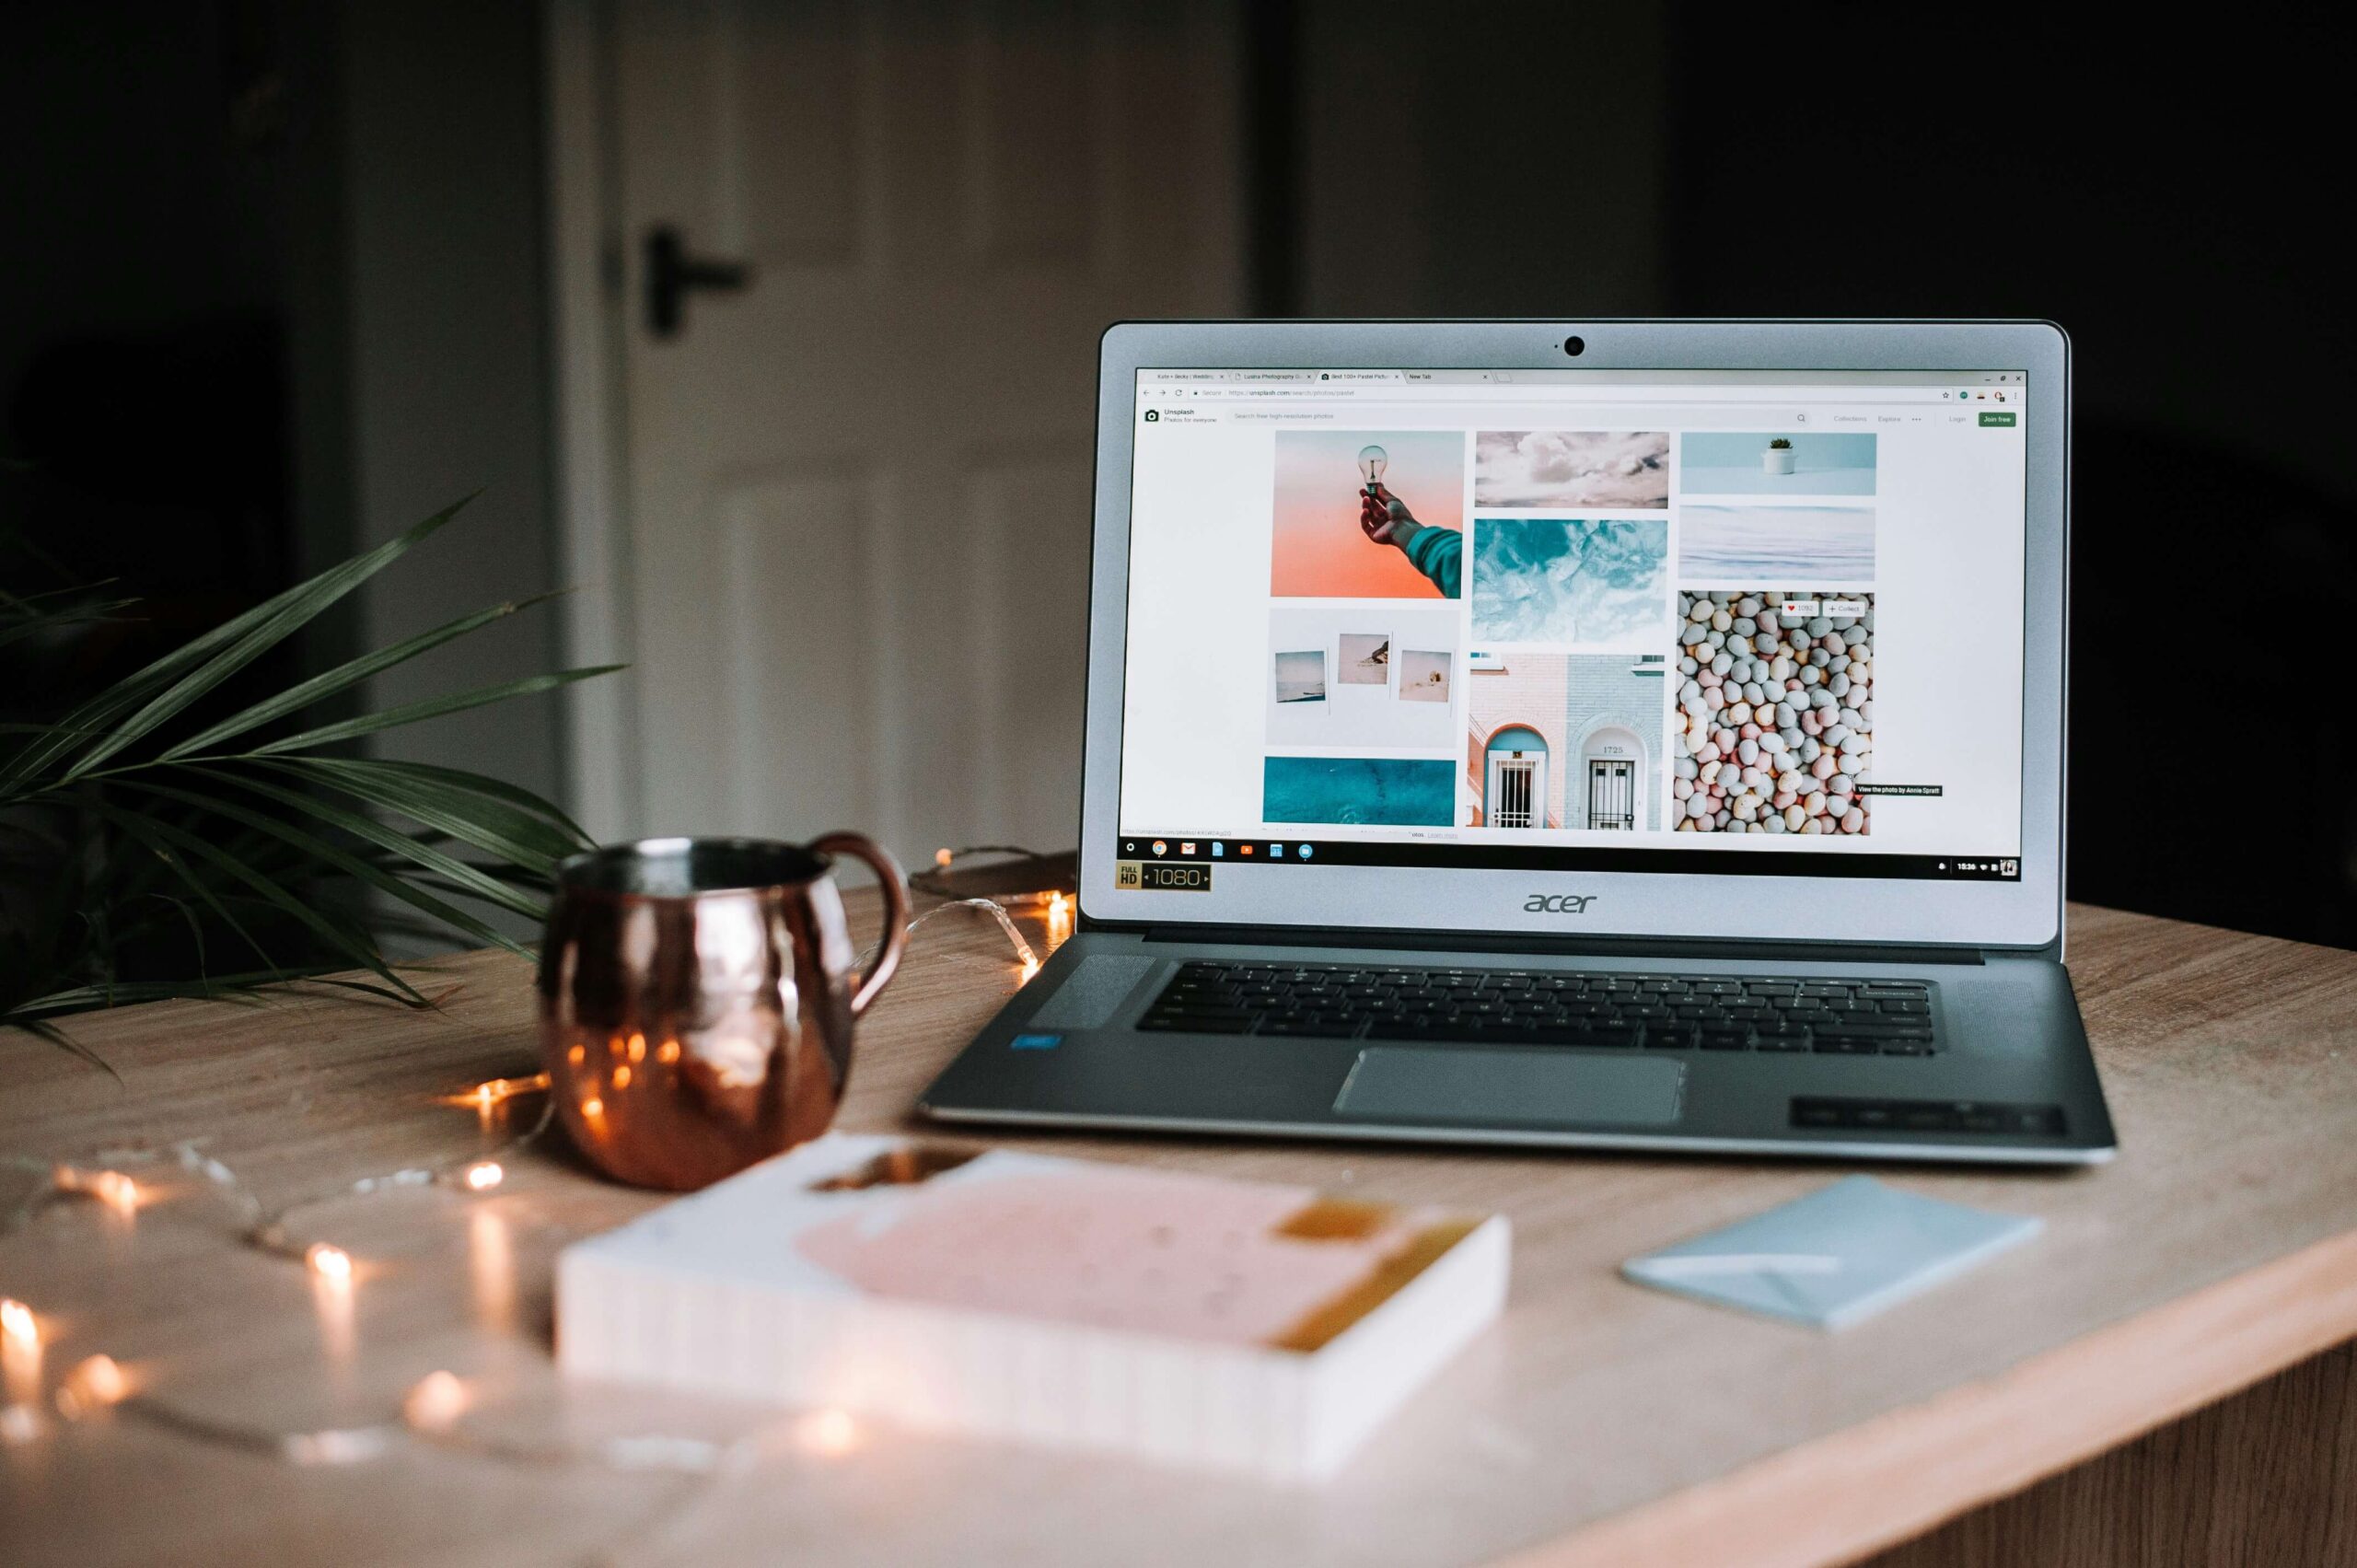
[1519, 1089]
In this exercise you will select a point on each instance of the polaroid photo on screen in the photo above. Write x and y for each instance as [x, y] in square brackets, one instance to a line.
[1367, 659]
[1299, 675]
[1425, 675]
[1359, 708]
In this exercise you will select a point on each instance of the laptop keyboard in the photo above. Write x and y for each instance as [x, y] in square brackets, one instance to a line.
[1623, 1012]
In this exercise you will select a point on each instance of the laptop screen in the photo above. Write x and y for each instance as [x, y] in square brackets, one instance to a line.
[1767, 622]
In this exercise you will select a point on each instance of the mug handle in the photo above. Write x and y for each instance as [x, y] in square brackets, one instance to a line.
[896, 909]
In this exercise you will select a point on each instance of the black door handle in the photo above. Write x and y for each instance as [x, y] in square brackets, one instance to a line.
[671, 271]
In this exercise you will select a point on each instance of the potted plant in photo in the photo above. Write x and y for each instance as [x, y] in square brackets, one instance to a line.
[1778, 458]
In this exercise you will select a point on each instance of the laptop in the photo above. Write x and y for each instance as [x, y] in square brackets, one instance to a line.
[1606, 734]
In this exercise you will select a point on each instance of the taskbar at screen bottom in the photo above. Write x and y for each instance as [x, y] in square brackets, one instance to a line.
[1189, 849]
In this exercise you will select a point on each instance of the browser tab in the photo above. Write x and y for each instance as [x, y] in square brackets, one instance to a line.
[1393, 376]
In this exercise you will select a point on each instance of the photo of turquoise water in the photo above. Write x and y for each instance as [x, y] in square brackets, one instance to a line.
[1729, 462]
[1563, 581]
[1359, 790]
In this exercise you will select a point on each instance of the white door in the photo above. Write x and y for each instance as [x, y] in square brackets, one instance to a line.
[1611, 794]
[1517, 784]
[855, 493]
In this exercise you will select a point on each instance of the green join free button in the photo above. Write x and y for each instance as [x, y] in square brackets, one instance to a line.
[1992, 418]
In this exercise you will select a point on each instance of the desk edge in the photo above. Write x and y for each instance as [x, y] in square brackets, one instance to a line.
[1843, 1496]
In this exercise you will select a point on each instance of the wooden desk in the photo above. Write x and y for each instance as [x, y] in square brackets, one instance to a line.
[1597, 1424]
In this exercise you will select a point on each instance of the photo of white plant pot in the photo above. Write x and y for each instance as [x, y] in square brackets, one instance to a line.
[1778, 458]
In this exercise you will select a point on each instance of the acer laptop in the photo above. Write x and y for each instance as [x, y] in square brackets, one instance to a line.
[1617, 733]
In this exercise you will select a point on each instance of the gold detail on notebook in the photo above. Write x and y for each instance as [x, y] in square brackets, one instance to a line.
[1328, 1320]
[907, 1166]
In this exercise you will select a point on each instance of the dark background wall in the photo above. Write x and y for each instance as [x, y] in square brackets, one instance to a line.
[272, 287]
[274, 283]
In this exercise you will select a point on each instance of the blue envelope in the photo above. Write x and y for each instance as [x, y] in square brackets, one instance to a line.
[1842, 1253]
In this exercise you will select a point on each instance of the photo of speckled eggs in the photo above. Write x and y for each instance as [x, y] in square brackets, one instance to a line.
[1775, 727]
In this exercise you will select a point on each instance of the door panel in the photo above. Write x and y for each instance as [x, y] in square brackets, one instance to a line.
[858, 491]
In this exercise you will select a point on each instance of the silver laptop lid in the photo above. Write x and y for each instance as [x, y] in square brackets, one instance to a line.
[1737, 630]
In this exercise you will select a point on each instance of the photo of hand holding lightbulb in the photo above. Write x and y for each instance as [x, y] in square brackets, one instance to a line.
[1339, 530]
[1385, 519]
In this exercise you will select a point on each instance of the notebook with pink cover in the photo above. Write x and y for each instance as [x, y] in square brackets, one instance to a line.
[1184, 1317]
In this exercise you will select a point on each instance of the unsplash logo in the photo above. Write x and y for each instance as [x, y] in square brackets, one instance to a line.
[1153, 416]
[1558, 903]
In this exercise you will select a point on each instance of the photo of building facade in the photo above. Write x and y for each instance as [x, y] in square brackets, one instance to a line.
[1557, 740]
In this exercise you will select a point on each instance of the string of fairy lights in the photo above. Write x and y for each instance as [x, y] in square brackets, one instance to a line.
[433, 1409]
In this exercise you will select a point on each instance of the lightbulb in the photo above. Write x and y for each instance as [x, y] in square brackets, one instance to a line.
[95, 1384]
[434, 1402]
[328, 1262]
[18, 1324]
[1372, 461]
[484, 1175]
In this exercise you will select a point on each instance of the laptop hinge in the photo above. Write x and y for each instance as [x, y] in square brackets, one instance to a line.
[1498, 945]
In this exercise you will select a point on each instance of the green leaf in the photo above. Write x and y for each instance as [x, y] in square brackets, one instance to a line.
[294, 699]
[28, 1016]
[49, 620]
[465, 815]
[530, 822]
[240, 641]
[138, 831]
[349, 864]
[241, 988]
[466, 878]
[362, 954]
[429, 708]
[483, 784]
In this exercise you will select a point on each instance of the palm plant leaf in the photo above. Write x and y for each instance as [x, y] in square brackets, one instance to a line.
[429, 708]
[137, 830]
[294, 699]
[358, 955]
[454, 872]
[514, 835]
[251, 841]
[570, 834]
[217, 654]
[349, 864]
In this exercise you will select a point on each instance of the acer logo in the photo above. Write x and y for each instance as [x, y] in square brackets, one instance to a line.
[1559, 903]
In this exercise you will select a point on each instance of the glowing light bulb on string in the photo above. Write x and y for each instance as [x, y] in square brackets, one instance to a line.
[93, 1384]
[436, 1402]
[19, 1327]
[20, 1353]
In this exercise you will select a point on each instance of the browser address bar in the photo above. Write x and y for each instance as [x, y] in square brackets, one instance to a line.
[1509, 393]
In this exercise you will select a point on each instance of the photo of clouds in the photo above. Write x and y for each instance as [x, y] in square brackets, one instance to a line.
[1811, 463]
[1568, 581]
[1571, 468]
[1748, 543]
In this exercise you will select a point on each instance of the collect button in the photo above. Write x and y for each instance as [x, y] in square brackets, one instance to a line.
[1993, 417]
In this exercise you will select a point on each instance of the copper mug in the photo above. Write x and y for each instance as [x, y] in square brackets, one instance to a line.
[697, 999]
